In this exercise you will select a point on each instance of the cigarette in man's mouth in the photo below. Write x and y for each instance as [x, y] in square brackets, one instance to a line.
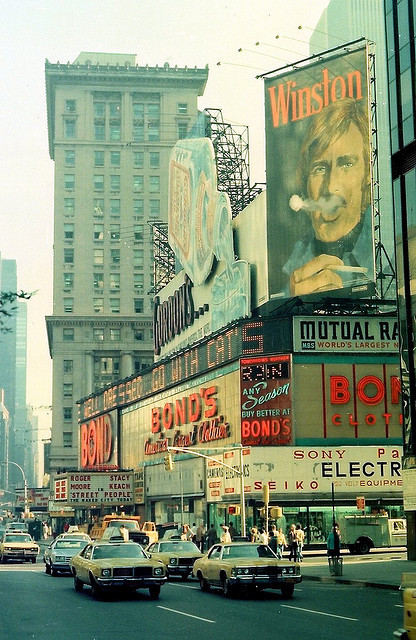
[346, 269]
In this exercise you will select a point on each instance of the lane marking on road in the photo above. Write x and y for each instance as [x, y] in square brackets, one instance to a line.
[188, 615]
[184, 586]
[320, 613]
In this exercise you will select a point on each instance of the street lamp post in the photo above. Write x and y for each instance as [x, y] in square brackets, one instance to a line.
[26, 512]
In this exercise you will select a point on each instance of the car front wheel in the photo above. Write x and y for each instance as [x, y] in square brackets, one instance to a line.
[287, 590]
[203, 584]
[154, 592]
[227, 589]
[78, 585]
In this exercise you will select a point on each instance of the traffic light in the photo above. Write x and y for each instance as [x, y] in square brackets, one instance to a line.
[168, 462]
[266, 494]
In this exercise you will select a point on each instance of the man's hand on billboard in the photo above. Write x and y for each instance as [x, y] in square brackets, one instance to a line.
[319, 274]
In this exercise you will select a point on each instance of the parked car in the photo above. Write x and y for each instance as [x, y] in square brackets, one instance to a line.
[246, 565]
[178, 556]
[58, 554]
[16, 545]
[106, 566]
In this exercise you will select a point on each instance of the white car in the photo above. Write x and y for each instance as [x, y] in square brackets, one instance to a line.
[58, 555]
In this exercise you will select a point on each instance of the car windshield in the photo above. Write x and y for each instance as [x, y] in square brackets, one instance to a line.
[177, 546]
[70, 544]
[118, 551]
[128, 525]
[248, 551]
[17, 538]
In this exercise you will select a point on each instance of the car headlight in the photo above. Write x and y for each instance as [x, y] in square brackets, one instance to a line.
[241, 571]
[173, 560]
[158, 571]
[106, 573]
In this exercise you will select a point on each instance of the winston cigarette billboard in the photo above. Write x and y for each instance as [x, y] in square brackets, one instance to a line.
[319, 195]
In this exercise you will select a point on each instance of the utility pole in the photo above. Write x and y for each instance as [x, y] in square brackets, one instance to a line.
[240, 473]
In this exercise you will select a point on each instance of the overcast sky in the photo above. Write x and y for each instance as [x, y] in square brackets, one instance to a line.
[182, 32]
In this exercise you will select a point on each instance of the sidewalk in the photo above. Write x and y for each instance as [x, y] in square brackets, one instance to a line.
[382, 570]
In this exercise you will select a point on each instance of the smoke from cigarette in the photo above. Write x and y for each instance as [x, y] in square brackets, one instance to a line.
[326, 205]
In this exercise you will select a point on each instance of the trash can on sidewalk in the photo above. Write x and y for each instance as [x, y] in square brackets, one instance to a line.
[335, 566]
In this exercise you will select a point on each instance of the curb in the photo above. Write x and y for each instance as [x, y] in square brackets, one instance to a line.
[357, 583]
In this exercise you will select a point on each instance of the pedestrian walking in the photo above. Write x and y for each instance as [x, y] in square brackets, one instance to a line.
[281, 543]
[293, 543]
[233, 531]
[333, 542]
[300, 535]
[263, 537]
[225, 535]
[199, 536]
[211, 536]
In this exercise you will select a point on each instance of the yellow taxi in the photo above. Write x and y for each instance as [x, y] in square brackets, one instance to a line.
[238, 566]
[408, 586]
[17, 545]
[178, 556]
[112, 566]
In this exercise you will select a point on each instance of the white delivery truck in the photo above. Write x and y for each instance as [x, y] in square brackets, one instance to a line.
[360, 533]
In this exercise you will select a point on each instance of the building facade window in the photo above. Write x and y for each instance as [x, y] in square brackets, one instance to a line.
[98, 183]
[98, 206]
[68, 280]
[67, 389]
[115, 335]
[114, 232]
[70, 106]
[68, 256]
[138, 305]
[115, 183]
[139, 282]
[69, 128]
[114, 281]
[115, 207]
[138, 208]
[67, 439]
[67, 414]
[98, 334]
[182, 108]
[154, 159]
[98, 232]
[70, 157]
[68, 305]
[98, 305]
[68, 366]
[98, 256]
[138, 232]
[69, 181]
[115, 256]
[138, 183]
[98, 158]
[68, 334]
[154, 208]
[138, 159]
[115, 305]
[115, 158]
[98, 280]
[138, 258]
[68, 231]
[154, 184]
[69, 206]
[182, 130]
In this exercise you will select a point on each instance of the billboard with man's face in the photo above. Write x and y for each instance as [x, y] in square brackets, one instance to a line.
[319, 210]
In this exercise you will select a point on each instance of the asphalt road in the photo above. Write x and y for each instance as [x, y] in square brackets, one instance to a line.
[34, 606]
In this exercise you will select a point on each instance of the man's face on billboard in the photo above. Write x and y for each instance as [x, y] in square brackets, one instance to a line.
[338, 171]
